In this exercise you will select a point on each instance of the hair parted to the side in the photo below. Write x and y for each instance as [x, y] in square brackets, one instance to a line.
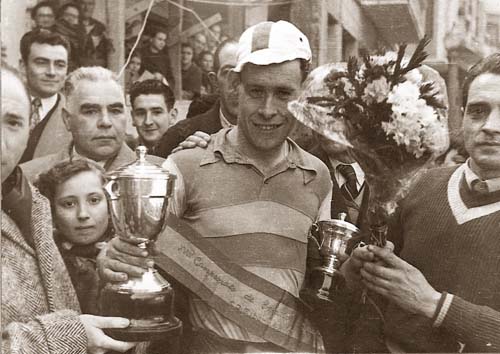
[490, 64]
[152, 87]
[41, 36]
[48, 181]
[88, 73]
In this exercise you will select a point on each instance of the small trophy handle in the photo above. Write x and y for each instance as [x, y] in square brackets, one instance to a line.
[111, 189]
[313, 234]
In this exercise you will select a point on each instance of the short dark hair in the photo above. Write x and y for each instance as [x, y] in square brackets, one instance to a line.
[219, 49]
[41, 36]
[187, 45]
[48, 181]
[65, 6]
[152, 87]
[158, 30]
[41, 4]
[490, 64]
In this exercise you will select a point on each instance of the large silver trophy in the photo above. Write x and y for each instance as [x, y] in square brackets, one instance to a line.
[138, 196]
[331, 237]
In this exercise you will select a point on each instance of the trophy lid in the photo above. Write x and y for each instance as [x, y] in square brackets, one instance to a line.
[141, 168]
[340, 222]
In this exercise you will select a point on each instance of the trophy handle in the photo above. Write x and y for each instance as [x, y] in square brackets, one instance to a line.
[111, 189]
[314, 233]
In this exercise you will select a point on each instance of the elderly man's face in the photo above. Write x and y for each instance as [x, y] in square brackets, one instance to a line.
[15, 122]
[45, 17]
[46, 69]
[96, 118]
[482, 125]
[264, 94]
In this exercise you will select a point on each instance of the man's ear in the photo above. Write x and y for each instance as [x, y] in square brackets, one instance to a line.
[66, 116]
[212, 78]
[173, 114]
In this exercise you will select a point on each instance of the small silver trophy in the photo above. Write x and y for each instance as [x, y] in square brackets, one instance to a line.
[333, 237]
[138, 196]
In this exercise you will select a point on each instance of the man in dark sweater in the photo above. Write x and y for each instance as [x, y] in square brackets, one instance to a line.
[443, 290]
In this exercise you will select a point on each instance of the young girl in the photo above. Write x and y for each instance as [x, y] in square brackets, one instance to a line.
[81, 220]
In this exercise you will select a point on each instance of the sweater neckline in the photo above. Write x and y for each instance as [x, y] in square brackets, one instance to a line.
[459, 210]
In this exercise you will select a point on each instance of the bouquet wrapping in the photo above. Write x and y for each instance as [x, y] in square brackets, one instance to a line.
[390, 112]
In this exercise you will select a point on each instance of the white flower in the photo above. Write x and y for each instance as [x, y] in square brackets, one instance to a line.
[376, 91]
[414, 76]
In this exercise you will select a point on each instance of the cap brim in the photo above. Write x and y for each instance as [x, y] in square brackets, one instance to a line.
[271, 56]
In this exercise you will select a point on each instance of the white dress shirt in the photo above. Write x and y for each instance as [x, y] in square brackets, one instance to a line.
[47, 104]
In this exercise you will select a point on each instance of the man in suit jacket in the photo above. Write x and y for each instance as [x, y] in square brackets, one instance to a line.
[221, 115]
[40, 310]
[95, 116]
[45, 62]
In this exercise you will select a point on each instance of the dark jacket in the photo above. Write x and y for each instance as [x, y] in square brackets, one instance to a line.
[208, 122]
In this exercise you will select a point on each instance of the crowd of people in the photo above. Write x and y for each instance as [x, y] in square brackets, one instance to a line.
[249, 193]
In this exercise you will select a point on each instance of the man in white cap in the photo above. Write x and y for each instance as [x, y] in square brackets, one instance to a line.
[243, 207]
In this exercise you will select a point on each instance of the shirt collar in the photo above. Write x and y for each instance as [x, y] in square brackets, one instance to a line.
[221, 148]
[470, 176]
[225, 123]
[47, 104]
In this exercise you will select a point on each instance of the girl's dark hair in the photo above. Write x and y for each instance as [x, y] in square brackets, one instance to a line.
[48, 181]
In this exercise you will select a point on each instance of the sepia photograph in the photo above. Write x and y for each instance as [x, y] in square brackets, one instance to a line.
[250, 176]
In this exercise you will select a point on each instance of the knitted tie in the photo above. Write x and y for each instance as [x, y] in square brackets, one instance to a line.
[350, 188]
[35, 112]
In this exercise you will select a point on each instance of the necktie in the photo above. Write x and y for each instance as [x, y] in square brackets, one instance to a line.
[35, 112]
[350, 188]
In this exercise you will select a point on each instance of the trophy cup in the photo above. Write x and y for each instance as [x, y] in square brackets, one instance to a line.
[333, 237]
[138, 196]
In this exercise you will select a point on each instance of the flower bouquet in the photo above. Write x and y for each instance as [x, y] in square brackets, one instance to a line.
[394, 114]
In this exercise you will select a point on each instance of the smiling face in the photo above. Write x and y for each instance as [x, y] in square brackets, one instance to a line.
[15, 122]
[95, 116]
[481, 125]
[46, 69]
[81, 210]
[264, 93]
[151, 117]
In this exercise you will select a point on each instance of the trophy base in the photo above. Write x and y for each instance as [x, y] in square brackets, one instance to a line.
[324, 285]
[145, 334]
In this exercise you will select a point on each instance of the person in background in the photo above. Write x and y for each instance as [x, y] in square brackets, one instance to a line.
[199, 44]
[44, 15]
[207, 66]
[68, 26]
[45, 64]
[81, 220]
[441, 284]
[96, 44]
[95, 116]
[152, 112]
[214, 38]
[191, 73]
[40, 310]
[155, 57]
[220, 114]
